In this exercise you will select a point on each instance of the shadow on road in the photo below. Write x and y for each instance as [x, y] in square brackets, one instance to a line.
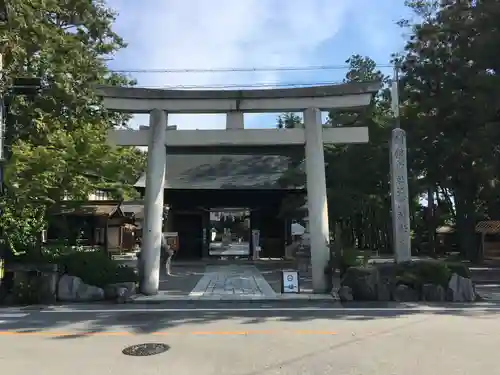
[80, 321]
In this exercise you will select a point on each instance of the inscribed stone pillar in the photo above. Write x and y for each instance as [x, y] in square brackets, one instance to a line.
[400, 197]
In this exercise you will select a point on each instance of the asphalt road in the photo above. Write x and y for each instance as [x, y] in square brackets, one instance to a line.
[251, 339]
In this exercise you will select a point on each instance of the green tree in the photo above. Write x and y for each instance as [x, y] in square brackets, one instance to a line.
[289, 121]
[357, 175]
[450, 111]
[449, 107]
[294, 176]
[57, 140]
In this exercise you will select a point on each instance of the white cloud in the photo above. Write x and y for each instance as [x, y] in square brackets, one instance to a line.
[180, 34]
[378, 26]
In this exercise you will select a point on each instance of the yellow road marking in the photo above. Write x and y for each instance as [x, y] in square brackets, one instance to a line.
[165, 333]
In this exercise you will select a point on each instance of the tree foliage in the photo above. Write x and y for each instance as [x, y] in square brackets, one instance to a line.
[450, 111]
[356, 175]
[56, 140]
[450, 91]
[449, 108]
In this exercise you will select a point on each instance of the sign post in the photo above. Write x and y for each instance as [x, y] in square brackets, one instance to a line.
[290, 282]
[255, 243]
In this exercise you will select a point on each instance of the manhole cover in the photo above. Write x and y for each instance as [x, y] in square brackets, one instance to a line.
[143, 350]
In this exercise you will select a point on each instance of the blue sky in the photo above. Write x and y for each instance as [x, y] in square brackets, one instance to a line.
[200, 34]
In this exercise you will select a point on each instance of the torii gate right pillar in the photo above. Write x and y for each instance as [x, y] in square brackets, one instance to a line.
[317, 198]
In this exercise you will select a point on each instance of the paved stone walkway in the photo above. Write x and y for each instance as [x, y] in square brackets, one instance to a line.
[237, 282]
[489, 292]
[232, 282]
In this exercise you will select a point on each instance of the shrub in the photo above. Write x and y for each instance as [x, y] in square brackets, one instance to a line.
[408, 278]
[415, 274]
[459, 268]
[348, 258]
[25, 291]
[96, 268]
[93, 266]
[436, 273]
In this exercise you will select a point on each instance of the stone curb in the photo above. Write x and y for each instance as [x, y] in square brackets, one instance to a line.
[153, 300]
[486, 282]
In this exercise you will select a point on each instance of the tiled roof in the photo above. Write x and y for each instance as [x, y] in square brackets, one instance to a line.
[89, 209]
[223, 172]
[133, 207]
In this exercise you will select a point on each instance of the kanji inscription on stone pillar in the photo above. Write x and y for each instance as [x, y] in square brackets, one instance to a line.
[400, 197]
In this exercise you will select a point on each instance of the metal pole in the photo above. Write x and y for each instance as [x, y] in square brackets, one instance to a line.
[399, 181]
[2, 125]
[395, 97]
[2, 162]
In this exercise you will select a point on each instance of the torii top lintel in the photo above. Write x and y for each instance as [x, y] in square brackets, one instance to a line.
[143, 100]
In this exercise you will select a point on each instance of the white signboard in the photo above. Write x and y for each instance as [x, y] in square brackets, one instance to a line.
[290, 281]
[297, 229]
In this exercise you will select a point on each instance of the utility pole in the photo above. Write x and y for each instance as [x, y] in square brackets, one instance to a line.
[401, 240]
[3, 21]
[2, 163]
[2, 124]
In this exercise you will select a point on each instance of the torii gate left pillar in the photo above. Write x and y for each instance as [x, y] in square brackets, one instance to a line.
[153, 205]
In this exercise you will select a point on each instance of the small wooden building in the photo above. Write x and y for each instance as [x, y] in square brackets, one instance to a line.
[490, 239]
[92, 224]
[446, 238]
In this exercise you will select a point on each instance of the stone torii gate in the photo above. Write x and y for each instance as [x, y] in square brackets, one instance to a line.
[237, 140]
